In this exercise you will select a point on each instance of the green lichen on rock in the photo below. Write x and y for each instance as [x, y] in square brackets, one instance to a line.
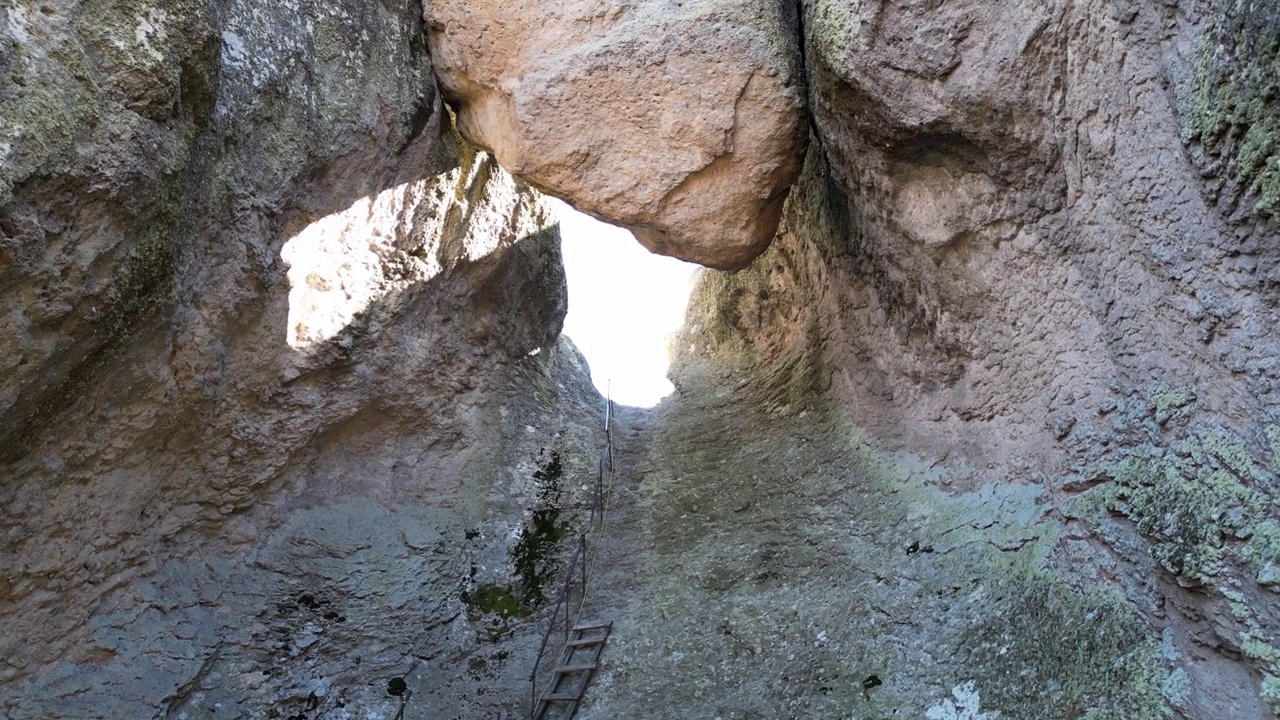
[121, 66]
[1272, 433]
[1256, 645]
[1258, 649]
[1172, 403]
[1188, 501]
[833, 27]
[1228, 449]
[42, 112]
[1200, 502]
[1235, 108]
[1045, 649]
[1263, 548]
[532, 555]
[850, 563]
[1271, 692]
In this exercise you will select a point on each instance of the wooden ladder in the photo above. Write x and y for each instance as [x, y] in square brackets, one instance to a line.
[578, 662]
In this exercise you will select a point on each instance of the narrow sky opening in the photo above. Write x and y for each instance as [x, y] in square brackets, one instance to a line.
[624, 303]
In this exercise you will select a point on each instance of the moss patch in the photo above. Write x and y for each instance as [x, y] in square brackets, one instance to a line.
[532, 555]
[495, 607]
[1074, 654]
[1235, 107]
[1187, 501]
[496, 599]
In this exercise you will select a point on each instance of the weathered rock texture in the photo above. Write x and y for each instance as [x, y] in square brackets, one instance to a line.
[682, 121]
[989, 430]
[995, 416]
[280, 361]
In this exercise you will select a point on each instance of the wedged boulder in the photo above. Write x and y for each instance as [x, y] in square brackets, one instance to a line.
[682, 121]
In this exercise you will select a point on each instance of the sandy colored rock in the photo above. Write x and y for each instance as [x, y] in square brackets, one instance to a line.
[682, 121]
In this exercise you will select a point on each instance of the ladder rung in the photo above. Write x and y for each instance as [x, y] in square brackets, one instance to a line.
[584, 642]
[593, 626]
[575, 668]
[562, 697]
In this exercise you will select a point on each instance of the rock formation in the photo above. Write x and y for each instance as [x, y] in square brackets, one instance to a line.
[997, 429]
[988, 430]
[280, 358]
[679, 120]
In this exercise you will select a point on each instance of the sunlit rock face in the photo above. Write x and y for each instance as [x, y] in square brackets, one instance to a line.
[1011, 361]
[682, 121]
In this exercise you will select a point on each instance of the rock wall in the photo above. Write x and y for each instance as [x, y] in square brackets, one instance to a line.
[280, 362]
[989, 429]
[679, 120]
[997, 407]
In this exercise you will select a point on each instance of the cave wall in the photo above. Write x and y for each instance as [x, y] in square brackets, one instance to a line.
[280, 359]
[1015, 261]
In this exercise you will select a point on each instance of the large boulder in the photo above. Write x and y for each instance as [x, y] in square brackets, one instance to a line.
[683, 121]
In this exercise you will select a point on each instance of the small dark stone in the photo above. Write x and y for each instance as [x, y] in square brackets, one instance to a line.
[871, 681]
[396, 687]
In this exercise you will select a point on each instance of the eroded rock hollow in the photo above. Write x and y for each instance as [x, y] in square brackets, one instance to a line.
[986, 429]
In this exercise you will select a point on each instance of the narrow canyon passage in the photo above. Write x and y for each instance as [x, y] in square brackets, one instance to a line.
[978, 418]
[784, 568]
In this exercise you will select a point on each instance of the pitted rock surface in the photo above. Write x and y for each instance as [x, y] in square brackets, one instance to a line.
[682, 121]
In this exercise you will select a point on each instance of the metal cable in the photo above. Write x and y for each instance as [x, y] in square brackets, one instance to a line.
[587, 554]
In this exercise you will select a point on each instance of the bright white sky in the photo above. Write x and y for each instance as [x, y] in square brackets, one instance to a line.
[623, 303]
